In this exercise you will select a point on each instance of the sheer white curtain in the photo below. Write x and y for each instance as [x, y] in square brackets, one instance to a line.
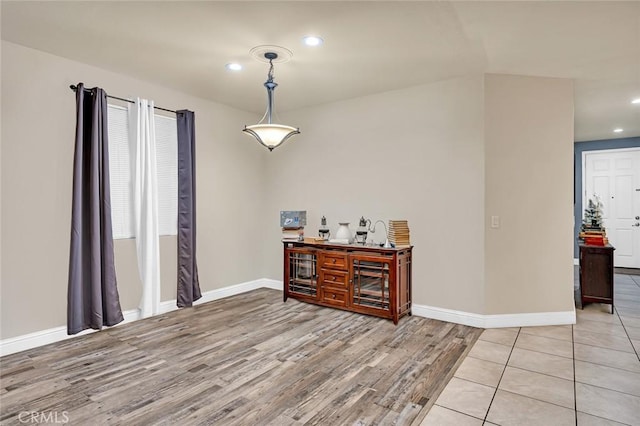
[145, 189]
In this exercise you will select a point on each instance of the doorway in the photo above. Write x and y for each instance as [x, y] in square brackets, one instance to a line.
[614, 176]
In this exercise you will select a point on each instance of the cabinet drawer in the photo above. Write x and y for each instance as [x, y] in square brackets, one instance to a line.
[333, 261]
[334, 296]
[334, 278]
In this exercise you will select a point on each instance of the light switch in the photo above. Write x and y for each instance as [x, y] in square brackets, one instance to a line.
[495, 221]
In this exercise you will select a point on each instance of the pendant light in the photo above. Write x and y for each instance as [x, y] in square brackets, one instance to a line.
[269, 134]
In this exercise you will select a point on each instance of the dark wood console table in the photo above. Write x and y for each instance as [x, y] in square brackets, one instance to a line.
[366, 279]
[596, 274]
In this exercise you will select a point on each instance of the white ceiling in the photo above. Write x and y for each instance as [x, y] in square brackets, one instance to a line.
[369, 47]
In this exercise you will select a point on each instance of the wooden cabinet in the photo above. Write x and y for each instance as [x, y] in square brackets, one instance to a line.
[369, 280]
[596, 274]
[333, 278]
[301, 273]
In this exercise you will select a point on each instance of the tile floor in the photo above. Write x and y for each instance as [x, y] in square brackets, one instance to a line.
[585, 374]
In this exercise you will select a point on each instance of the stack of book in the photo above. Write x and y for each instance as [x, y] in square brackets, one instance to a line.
[399, 233]
[292, 223]
[293, 234]
[594, 237]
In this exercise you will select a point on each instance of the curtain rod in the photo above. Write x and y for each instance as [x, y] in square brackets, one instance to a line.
[75, 89]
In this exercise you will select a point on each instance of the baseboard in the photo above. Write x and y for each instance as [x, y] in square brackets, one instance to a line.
[495, 321]
[448, 315]
[52, 335]
[221, 293]
[533, 319]
[272, 284]
[56, 334]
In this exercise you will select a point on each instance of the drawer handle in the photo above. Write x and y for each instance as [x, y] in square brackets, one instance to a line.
[333, 295]
[333, 260]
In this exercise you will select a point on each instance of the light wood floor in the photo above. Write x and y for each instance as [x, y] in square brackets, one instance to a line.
[249, 359]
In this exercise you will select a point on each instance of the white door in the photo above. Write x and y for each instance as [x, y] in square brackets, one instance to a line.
[615, 177]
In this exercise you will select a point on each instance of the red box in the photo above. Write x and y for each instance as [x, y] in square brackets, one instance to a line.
[594, 241]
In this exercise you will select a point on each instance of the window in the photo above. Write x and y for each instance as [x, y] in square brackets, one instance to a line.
[167, 170]
[121, 154]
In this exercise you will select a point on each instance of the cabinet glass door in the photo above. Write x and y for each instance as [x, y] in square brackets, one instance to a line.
[370, 283]
[302, 273]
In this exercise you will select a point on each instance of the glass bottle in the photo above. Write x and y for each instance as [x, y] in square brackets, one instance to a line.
[324, 231]
[361, 232]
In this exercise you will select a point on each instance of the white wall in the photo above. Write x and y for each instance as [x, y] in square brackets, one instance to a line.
[38, 124]
[414, 154]
[529, 185]
[445, 156]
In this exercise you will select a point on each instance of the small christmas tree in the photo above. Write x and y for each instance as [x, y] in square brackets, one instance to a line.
[593, 215]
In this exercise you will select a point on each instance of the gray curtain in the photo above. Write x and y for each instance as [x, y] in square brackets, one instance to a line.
[188, 285]
[92, 298]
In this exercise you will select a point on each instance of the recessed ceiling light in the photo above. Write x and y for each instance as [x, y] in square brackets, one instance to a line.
[312, 40]
[636, 101]
[233, 67]
[618, 130]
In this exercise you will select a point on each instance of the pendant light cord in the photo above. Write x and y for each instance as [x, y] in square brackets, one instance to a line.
[270, 74]
[270, 86]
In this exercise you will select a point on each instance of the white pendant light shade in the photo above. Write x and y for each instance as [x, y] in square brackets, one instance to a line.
[271, 135]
